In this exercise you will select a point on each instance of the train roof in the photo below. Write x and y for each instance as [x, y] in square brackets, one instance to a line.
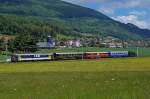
[35, 54]
[71, 53]
[119, 51]
[96, 52]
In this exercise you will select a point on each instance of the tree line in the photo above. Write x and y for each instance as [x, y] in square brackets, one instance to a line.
[28, 31]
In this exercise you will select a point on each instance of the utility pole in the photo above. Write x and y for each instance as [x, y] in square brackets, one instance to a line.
[82, 50]
[83, 55]
[6, 45]
[137, 51]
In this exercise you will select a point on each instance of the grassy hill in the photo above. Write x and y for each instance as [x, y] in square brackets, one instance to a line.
[69, 18]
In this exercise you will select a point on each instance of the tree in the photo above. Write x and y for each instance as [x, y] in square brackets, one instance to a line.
[11, 46]
[2, 43]
[24, 42]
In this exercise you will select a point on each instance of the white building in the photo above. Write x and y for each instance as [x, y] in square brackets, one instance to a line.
[74, 43]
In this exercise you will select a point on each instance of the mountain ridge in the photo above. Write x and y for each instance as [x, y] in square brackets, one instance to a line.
[73, 17]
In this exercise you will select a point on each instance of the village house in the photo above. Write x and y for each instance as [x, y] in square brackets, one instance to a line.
[48, 44]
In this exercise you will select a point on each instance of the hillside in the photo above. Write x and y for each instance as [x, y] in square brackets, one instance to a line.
[69, 19]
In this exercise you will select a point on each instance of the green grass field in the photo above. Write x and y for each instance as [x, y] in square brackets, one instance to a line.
[119, 78]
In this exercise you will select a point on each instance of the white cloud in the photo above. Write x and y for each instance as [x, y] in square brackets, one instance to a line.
[109, 6]
[112, 5]
[134, 20]
[86, 1]
[106, 10]
[115, 3]
[138, 13]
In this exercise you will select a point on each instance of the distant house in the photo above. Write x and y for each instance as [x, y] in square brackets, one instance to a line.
[115, 45]
[73, 43]
[69, 43]
[112, 45]
[77, 43]
[119, 45]
[50, 43]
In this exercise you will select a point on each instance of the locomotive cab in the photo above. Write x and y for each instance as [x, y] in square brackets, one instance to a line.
[14, 58]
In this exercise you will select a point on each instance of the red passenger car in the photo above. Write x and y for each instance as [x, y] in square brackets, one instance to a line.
[91, 55]
[104, 54]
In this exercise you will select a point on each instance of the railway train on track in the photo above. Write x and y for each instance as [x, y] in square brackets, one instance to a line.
[70, 56]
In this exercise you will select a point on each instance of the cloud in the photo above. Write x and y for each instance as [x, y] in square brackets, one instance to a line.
[107, 6]
[119, 3]
[112, 5]
[132, 19]
[138, 13]
[106, 10]
[86, 1]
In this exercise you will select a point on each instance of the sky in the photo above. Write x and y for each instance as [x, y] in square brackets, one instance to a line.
[126, 11]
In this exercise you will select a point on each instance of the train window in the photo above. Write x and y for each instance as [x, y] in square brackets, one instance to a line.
[44, 56]
[34, 56]
[26, 56]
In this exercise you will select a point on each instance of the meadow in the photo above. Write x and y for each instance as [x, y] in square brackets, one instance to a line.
[118, 78]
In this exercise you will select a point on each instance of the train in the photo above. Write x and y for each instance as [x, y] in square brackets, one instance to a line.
[70, 56]
[31, 57]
